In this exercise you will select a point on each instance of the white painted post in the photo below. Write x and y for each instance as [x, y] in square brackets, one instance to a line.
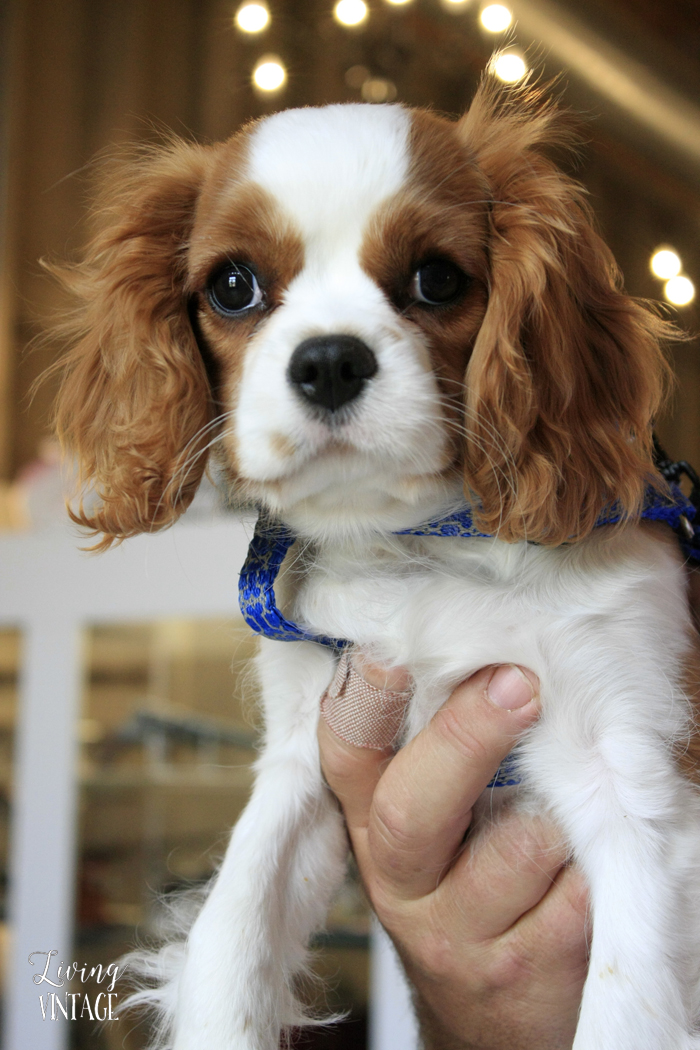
[392, 1020]
[44, 826]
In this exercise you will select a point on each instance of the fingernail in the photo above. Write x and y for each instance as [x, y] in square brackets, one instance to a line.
[509, 688]
[393, 679]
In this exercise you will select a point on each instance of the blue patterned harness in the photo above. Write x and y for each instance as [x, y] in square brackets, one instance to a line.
[272, 539]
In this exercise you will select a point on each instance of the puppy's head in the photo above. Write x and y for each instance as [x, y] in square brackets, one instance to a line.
[362, 310]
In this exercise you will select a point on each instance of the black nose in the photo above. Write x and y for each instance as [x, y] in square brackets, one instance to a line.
[330, 370]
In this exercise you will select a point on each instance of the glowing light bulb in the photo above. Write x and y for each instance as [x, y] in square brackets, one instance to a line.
[350, 12]
[509, 67]
[679, 290]
[496, 18]
[396, 3]
[377, 89]
[251, 18]
[269, 74]
[665, 263]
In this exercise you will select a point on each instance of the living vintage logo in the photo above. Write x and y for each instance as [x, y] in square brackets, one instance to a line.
[75, 1005]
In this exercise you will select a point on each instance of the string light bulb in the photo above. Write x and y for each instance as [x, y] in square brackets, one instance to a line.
[508, 67]
[377, 89]
[252, 17]
[350, 12]
[269, 74]
[679, 290]
[665, 263]
[495, 18]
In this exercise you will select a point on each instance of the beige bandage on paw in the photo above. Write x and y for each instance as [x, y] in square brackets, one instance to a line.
[360, 713]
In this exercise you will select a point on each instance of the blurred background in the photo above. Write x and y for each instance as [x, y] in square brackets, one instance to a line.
[166, 722]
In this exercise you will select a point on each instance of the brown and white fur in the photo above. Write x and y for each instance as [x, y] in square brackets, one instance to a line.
[531, 391]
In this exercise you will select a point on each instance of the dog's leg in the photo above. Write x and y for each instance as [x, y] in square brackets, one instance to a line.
[606, 765]
[633, 997]
[285, 859]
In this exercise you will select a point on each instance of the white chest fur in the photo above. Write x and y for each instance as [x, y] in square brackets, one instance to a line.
[446, 607]
[604, 626]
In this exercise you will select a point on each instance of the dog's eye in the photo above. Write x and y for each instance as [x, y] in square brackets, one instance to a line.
[233, 289]
[437, 282]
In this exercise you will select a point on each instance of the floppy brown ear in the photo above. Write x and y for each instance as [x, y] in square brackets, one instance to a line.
[134, 398]
[567, 372]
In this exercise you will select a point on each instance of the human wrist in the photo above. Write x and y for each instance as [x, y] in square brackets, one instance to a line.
[456, 1013]
[443, 1007]
[434, 1035]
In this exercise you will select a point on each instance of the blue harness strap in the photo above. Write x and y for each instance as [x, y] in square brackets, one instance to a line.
[507, 774]
[256, 586]
[272, 540]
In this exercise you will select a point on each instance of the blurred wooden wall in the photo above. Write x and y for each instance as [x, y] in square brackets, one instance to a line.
[82, 76]
[85, 76]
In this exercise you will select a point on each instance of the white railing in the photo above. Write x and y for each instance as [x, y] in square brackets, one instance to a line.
[51, 591]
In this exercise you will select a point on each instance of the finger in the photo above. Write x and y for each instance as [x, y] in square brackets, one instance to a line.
[502, 874]
[393, 678]
[542, 961]
[365, 712]
[422, 804]
[352, 773]
[559, 927]
[352, 766]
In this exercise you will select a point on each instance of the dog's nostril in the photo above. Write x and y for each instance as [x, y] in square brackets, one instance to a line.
[331, 370]
[347, 372]
[310, 374]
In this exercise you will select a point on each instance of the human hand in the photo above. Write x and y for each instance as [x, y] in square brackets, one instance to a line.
[492, 933]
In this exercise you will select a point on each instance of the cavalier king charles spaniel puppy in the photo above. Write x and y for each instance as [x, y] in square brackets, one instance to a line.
[382, 321]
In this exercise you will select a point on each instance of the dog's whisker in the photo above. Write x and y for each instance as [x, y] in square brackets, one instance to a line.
[186, 462]
[183, 470]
